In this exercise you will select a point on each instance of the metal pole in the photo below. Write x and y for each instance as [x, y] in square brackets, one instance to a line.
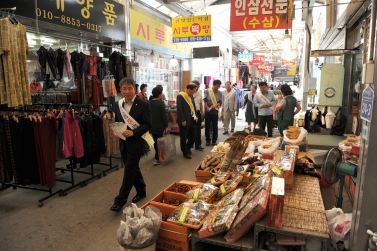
[364, 215]
[127, 38]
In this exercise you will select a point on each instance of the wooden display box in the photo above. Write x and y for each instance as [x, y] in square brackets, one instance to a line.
[202, 176]
[171, 236]
[289, 181]
[156, 201]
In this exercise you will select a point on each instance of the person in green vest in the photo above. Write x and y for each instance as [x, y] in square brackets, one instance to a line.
[287, 108]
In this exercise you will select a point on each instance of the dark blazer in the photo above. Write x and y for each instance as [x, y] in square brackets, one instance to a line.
[141, 112]
[184, 111]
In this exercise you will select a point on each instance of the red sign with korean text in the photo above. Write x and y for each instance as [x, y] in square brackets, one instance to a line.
[263, 68]
[260, 14]
[257, 60]
[287, 62]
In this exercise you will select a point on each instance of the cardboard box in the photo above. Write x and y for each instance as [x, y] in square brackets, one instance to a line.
[303, 146]
[275, 210]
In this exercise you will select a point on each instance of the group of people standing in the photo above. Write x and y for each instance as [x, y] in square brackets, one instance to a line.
[135, 111]
[261, 106]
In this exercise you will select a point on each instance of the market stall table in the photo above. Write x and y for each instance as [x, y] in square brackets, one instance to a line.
[304, 213]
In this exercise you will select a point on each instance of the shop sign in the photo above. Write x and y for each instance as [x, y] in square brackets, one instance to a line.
[245, 57]
[312, 91]
[105, 18]
[287, 62]
[260, 15]
[291, 73]
[192, 29]
[257, 60]
[149, 33]
[331, 88]
[329, 92]
[367, 104]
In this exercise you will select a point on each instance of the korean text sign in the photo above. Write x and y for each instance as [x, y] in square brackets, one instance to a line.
[260, 14]
[192, 29]
[149, 33]
[102, 17]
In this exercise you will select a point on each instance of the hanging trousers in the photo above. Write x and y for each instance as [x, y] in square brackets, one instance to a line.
[132, 178]
[45, 144]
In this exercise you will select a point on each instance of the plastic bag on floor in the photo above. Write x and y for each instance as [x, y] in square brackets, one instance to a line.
[339, 226]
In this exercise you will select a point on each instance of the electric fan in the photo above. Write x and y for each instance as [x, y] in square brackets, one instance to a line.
[334, 169]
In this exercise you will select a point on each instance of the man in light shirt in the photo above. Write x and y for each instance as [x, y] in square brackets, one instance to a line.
[229, 107]
[264, 101]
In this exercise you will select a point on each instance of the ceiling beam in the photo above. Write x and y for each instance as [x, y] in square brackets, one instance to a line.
[177, 1]
[175, 8]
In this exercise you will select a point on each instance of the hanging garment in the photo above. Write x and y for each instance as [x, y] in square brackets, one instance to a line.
[6, 172]
[111, 142]
[329, 118]
[60, 62]
[14, 78]
[93, 140]
[70, 136]
[92, 65]
[28, 170]
[323, 120]
[45, 145]
[52, 61]
[340, 123]
[67, 63]
[42, 58]
[114, 63]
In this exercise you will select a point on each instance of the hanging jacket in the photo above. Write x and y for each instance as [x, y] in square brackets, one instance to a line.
[42, 58]
[67, 64]
[340, 123]
[60, 62]
[70, 136]
[51, 60]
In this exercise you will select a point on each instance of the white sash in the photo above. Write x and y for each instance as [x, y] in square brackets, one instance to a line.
[133, 124]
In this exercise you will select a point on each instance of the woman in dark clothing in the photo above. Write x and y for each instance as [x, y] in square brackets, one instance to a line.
[159, 119]
[286, 108]
[251, 113]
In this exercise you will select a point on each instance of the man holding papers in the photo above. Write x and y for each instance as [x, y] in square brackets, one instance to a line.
[136, 113]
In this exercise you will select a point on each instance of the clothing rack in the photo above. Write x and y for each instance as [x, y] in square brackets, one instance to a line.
[72, 161]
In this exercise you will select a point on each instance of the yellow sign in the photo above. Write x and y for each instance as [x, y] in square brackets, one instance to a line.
[312, 91]
[291, 73]
[149, 33]
[192, 29]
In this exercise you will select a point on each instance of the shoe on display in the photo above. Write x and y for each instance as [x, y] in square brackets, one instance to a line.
[226, 132]
[137, 198]
[156, 162]
[187, 156]
[199, 148]
[116, 208]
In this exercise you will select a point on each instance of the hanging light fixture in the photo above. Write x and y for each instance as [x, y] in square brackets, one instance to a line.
[152, 57]
[287, 41]
[173, 62]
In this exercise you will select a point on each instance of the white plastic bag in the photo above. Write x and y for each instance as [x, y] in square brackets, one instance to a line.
[272, 149]
[339, 226]
[250, 149]
[297, 141]
[166, 147]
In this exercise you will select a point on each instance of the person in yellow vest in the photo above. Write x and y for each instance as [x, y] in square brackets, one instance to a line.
[187, 119]
[212, 101]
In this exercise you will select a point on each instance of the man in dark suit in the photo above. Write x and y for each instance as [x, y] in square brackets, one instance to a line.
[132, 148]
[187, 119]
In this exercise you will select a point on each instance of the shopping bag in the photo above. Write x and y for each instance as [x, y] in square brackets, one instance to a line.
[166, 147]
